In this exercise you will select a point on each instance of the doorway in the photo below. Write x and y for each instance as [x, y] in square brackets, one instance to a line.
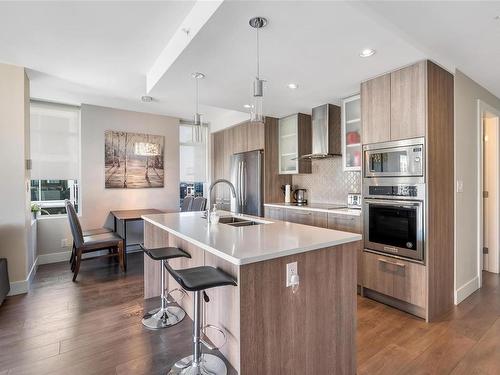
[489, 244]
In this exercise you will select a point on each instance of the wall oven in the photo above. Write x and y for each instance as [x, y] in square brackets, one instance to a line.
[394, 227]
[395, 159]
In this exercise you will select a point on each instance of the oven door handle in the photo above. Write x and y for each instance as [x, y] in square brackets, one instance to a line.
[392, 203]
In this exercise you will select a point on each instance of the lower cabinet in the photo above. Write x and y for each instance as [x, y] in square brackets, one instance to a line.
[275, 213]
[395, 278]
[314, 218]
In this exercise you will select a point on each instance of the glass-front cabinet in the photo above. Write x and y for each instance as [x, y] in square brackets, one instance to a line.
[351, 133]
[288, 145]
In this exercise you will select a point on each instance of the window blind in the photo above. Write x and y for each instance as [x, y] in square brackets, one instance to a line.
[54, 141]
[193, 155]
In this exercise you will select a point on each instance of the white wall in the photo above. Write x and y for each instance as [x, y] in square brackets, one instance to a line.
[97, 201]
[467, 93]
[14, 215]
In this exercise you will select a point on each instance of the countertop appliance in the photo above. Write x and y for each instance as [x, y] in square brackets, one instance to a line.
[300, 196]
[394, 219]
[354, 201]
[325, 129]
[247, 178]
[403, 159]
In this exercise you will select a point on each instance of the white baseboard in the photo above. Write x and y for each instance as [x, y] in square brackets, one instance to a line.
[18, 287]
[32, 273]
[23, 286]
[466, 290]
[62, 256]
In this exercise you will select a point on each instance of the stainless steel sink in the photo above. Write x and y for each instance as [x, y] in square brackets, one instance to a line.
[243, 223]
[231, 220]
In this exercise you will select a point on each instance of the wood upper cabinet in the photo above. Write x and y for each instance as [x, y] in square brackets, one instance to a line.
[376, 109]
[238, 136]
[255, 136]
[294, 141]
[408, 101]
[394, 106]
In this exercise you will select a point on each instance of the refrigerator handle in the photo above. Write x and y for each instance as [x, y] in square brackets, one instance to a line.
[240, 183]
[244, 180]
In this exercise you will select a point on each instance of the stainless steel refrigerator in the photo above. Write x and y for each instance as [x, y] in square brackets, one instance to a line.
[247, 178]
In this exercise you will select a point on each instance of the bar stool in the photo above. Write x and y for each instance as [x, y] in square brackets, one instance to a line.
[167, 314]
[197, 280]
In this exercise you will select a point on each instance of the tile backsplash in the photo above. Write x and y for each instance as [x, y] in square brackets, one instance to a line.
[328, 183]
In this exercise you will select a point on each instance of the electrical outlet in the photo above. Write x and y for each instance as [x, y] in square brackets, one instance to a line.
[64, 242]
[291, 269]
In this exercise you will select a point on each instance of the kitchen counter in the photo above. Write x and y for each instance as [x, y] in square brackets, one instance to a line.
[243, 245]
[318, 207]
[261, 313]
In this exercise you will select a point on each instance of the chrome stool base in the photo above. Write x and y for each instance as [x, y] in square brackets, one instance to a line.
[168, 317]
[209, 365]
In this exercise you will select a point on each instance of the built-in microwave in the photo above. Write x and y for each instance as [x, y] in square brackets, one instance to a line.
[404, 158]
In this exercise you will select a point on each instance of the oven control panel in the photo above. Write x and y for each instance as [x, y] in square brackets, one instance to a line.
[393, 191]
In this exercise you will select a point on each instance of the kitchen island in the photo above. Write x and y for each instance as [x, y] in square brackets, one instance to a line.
[270, 329]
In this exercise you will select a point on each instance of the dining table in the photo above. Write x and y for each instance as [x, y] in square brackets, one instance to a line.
[127, 216]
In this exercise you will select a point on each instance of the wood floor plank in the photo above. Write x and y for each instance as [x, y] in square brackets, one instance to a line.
[94, 327]
[484, 358]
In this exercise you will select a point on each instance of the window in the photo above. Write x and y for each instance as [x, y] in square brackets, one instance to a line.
[193, 160]
[55, 154]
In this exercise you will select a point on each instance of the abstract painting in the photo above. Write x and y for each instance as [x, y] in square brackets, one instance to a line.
[133, 160]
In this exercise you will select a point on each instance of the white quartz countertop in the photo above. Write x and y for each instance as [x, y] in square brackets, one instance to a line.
[318, 207]
[250, 244]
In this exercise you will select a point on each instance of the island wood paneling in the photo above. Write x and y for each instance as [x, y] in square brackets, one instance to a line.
[376, 109]
[309, 332]
[153, 238]
[440, 191]
[223, 311]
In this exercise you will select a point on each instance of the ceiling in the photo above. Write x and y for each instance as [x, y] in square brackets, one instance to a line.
[102, 52]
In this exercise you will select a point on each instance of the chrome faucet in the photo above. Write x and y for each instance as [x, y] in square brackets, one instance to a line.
[212, 185]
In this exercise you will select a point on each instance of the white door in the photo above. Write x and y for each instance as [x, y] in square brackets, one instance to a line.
[491, 195]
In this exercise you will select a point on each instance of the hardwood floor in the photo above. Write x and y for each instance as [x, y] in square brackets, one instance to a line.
[94, 327]
[89, 327]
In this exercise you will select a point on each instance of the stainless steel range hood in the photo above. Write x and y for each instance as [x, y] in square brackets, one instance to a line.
[326, 133]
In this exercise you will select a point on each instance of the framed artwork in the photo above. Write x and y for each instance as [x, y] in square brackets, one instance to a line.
[133, 160]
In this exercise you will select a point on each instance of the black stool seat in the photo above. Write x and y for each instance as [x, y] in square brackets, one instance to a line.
[200, 278]
[165, 253]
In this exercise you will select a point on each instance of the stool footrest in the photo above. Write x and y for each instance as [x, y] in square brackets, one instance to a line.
[207, 342]
[170, 298]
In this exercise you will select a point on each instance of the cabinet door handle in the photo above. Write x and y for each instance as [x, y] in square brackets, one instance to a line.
[393, 263]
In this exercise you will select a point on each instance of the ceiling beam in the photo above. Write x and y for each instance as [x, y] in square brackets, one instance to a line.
[199, 15]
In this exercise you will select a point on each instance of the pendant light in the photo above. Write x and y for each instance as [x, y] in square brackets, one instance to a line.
[256, 112]
[197, 122]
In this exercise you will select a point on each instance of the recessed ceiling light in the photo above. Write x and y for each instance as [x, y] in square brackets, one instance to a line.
[247, 106]
[147, 98]
[367, 52]
[292, 86]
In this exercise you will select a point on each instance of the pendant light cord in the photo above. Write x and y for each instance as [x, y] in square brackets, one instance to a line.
[258, 56]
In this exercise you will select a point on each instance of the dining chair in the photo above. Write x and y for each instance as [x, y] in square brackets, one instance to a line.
[186, 203]
[199, 204]
[92, 243]
[88, 232]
